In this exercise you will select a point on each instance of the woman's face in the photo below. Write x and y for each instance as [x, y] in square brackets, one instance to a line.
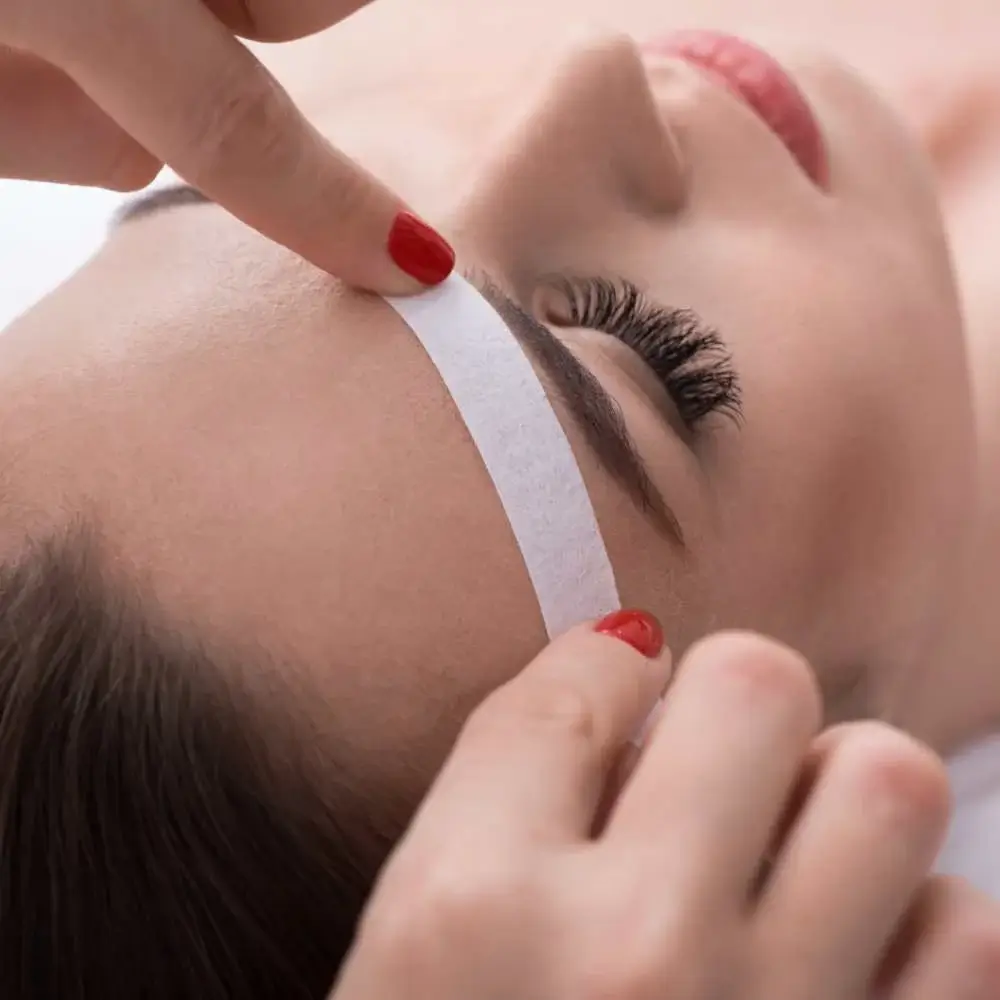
[273, 459]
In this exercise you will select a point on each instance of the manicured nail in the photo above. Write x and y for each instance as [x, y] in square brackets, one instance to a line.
[419, 250]
[638, 628]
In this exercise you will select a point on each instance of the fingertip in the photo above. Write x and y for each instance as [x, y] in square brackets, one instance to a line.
[419, 251]
[412, 258]
[134, 173]
[638, 629]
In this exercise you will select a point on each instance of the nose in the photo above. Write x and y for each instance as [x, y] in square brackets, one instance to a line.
[589, 141]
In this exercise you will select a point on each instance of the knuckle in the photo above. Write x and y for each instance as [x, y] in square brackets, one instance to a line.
[250, 119]
[662, 948]
[896, 768]
[242, 120]
[554, 708]
[765, 669]
[440, 903]
[354, 200]
[649, 961]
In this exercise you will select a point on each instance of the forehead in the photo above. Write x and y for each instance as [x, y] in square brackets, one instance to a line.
[276, 461]
[237, 422]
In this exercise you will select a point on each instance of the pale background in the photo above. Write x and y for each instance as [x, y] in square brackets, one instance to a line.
[46, 231]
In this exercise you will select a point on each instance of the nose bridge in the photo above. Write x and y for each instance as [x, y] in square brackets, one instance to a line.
[588, 141]
[596, 111]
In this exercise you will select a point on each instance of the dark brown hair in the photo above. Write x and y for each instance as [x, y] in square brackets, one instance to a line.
[150, 848]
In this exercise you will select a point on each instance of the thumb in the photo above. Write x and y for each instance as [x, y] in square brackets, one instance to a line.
[191, 94]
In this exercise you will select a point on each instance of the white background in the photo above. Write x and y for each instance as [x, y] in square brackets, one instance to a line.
[46, 232]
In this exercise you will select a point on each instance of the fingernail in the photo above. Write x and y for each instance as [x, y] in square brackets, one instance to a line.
[638, 628]
[419, 250]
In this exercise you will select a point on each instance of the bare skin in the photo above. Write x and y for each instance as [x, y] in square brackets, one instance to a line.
[270, 457]
[275, 461]
[934, 62]
[511, 882]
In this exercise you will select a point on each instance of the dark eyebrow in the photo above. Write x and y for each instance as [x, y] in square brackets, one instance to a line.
[597, 415]
[154, 200]
[595, 412]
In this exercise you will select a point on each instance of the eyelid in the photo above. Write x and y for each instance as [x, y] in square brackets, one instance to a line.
[595, 411]
[688, 356]
[550, 302]
[636, 372]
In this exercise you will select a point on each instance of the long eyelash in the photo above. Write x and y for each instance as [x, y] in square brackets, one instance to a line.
[688, 357]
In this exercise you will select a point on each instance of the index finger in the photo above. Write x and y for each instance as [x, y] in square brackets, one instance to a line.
[533, 759]
[197, 99]
[279, 20]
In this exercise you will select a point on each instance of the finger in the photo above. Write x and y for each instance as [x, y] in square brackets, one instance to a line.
[533, 759]
[279, 20]
[948, 947]
[196, 98]
[853, 859]
[717, 771]
[51, 131]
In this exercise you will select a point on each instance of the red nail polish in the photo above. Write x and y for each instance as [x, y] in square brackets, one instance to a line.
[638, 628]
[420, 251]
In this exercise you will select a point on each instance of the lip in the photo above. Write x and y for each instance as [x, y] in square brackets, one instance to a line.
[760, 81]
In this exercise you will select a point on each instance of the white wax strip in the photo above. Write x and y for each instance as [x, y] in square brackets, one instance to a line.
[523, 447]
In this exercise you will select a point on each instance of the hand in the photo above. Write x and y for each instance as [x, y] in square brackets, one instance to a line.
[509, 886]
[103, 92]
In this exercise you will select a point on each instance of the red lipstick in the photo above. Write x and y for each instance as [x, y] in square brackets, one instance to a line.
[760, 81]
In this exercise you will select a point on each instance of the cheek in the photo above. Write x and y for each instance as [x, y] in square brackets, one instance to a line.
[847, 486]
